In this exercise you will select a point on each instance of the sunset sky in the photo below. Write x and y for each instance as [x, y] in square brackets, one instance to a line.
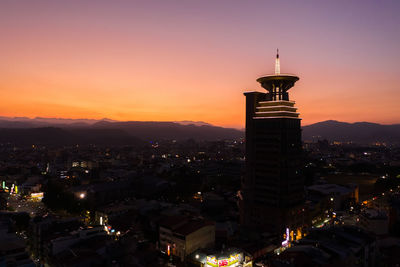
[171, 60]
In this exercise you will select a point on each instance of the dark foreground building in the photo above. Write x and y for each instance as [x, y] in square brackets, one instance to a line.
[272, 189]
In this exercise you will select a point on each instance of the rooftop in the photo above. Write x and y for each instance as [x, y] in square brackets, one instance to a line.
[183, 225]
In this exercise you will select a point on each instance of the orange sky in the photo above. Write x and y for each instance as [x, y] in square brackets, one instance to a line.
[168, 61]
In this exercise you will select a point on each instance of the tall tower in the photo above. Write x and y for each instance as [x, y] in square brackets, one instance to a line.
[272, 189]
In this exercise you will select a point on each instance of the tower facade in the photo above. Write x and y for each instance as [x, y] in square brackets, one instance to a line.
[272, 189]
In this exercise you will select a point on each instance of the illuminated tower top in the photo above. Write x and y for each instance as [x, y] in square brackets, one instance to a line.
[277, 64]
[276, 103]
[278, 84]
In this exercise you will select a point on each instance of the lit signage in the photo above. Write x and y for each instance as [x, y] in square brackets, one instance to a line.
[223, 262]
[286, 241]
[37, 195]
[212, 261]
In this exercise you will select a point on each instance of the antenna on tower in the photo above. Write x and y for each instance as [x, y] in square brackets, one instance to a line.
[277, 64]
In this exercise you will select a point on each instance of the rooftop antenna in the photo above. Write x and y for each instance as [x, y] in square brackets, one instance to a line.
[277, 64]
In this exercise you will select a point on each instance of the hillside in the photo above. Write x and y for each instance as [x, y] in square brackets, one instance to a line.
[358, 132]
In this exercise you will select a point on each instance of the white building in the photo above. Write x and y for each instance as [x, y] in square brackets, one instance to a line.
[180, 236]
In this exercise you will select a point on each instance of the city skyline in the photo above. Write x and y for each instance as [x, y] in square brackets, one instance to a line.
[173, 61]
[171, 133]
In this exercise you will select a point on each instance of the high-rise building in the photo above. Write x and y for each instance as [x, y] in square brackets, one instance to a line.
[272, 191]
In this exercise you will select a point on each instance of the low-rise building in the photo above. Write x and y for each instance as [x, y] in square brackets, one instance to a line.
[331, 246]
[375, 221]
[13, 249]
[62, 243]
[181, 235]
[339, 196]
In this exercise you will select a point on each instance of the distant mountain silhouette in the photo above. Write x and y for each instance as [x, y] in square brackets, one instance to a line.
[108, 132]
[23, 122]
[358, 132]
[197, 123]
[148, 130]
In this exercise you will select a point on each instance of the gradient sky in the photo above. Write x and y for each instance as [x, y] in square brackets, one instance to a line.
[173, 60]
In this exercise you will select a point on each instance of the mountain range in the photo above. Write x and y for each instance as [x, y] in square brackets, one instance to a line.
[358, 132]
[25, 122]
[55, 131]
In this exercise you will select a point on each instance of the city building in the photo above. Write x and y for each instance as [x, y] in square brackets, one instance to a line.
[181, 235]
[43, 229]
[272, 191]
[331, 246]
[340, 196]
[375, 221]
[104, 214]
[13, 248]
[63, 242]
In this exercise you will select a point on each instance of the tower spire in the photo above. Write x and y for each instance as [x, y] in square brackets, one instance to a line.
[277, 64]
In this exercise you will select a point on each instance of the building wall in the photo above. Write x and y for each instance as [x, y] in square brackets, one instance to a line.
[272, 188]
[181, 245]
[165, 238]
[202, 238]
[60, 244]
[379, 226]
